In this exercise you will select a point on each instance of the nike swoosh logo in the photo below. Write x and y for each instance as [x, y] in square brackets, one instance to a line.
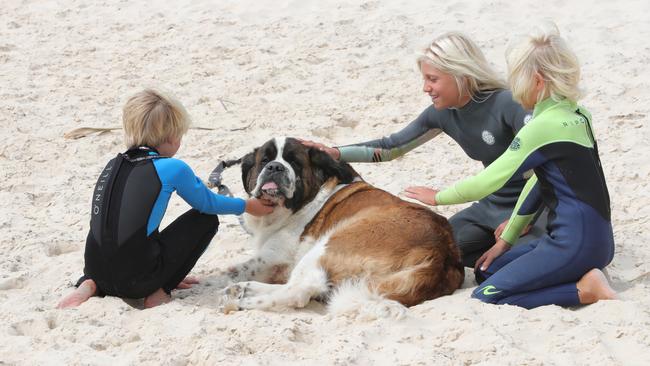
[489, 290]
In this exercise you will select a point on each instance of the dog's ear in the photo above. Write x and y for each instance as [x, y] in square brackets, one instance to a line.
[247, 164]
[330, 167]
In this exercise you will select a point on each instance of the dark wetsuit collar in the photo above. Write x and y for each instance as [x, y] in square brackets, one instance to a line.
[143, 149]
[476, 100]
[140, 153]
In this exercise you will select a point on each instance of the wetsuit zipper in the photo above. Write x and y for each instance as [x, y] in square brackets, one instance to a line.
[596, 156]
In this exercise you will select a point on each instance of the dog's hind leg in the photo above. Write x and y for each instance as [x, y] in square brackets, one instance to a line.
[307, 280]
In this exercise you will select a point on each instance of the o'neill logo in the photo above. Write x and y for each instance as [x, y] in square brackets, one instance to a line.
[99, 188]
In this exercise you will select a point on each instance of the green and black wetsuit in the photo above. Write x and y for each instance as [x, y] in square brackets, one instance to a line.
[484, 128]
[558, 144]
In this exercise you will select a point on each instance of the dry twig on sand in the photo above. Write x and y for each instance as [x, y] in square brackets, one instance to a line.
[81, 132]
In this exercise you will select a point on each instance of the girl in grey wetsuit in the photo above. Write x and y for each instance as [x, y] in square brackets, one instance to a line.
[472, 106]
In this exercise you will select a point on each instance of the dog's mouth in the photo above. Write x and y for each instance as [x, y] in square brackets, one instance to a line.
[271, 191]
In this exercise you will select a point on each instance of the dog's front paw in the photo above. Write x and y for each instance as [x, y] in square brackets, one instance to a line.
[229, 306]
[231, 296]
[236, 291]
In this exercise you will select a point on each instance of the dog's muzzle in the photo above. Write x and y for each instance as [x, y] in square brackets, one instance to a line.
[274, 182]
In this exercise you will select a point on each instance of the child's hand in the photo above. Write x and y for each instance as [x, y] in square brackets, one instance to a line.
[259, 207]
[331, 151]
[500, 247]
[425, 195]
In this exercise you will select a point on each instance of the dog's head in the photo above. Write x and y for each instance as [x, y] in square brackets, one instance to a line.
[288, 173]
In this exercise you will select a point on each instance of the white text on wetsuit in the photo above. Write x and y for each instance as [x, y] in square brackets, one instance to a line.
[100, 188]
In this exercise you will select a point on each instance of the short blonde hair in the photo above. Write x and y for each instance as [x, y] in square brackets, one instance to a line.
[545, 53]
[151, 118]
[456, 54]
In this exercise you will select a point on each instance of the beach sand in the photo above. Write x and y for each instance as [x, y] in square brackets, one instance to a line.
[337, 72]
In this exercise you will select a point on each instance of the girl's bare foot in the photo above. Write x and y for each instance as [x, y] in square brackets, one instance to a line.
[157, 298]
[593, 286]
[87, 289]
[187, 282]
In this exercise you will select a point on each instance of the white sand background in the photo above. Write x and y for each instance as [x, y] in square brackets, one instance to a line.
[337, 72]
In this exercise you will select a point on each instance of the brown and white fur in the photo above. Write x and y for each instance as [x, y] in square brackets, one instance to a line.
[333, 235]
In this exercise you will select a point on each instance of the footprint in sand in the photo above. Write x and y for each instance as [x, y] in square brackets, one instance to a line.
[56, 249]
[345, 121]
[629, 116]
[33, 327]
[12, 283]
[322, 132]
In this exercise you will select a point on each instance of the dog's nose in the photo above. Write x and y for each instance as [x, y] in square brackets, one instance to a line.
[275, 166]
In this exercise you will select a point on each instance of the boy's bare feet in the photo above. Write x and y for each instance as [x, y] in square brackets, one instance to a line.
[593, 286]
[187, 283]
[82, 293]
[157, 298]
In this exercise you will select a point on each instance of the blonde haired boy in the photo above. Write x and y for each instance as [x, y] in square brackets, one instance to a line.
[126, 255]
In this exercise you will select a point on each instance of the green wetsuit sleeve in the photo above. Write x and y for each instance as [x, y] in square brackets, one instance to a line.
[494, 176]
[554, 123]
[416, 133]
[491, 179]
[517, 221]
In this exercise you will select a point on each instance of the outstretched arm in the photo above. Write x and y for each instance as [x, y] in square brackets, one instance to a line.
[422, 129]
[521, 155]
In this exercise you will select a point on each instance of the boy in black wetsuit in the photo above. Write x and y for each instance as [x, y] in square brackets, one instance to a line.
[126, 256]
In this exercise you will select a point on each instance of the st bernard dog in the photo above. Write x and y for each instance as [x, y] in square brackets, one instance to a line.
[333, 236]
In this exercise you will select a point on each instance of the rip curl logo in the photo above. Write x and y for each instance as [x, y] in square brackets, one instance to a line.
[515, 144]
[528, 118]
[488, 137]
[489, 290]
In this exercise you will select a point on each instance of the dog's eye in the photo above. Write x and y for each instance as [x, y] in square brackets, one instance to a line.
[264, 160]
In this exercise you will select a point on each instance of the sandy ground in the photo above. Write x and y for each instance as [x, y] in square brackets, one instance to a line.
[337, 72]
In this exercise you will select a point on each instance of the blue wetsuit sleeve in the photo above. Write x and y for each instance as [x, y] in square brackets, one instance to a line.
[177, 175]
[425, 127]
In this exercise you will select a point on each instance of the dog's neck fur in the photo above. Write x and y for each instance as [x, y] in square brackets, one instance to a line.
[264, 227]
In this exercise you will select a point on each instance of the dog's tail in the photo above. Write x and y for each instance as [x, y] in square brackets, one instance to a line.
[355, 298]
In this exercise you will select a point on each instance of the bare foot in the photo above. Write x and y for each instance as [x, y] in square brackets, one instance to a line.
[82, 293]
[187, 283]
[593, 286]
[157, 298]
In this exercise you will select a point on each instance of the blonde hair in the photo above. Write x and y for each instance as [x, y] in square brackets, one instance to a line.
[456, 54]
[545, 53]
[151, 118]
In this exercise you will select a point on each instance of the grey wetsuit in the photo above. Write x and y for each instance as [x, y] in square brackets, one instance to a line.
[483, 128]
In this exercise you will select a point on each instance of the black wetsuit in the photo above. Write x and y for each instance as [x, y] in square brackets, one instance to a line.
[125, 253]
